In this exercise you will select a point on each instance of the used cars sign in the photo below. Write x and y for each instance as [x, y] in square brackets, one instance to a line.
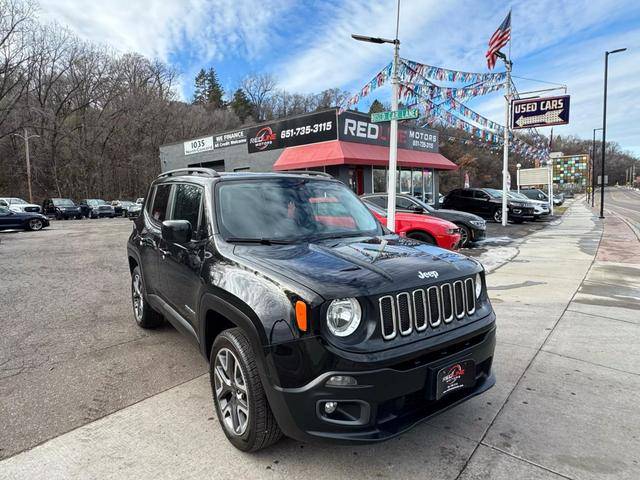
[539, 112]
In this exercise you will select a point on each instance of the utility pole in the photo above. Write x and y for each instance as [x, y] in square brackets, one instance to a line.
[26, 138]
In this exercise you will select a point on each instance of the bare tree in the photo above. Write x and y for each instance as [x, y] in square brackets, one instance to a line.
[258, 87]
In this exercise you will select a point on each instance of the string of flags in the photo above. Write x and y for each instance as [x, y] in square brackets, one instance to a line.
[444, 103]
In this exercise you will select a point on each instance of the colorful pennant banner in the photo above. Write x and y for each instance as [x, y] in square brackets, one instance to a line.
[376, 82]
[453, 76]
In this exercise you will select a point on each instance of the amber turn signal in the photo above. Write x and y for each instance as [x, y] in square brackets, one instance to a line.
[301, 315]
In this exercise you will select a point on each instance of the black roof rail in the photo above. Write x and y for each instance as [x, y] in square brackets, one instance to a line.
[307, 172]
[187, 171]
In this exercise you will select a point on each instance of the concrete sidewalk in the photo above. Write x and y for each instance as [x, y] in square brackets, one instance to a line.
[565, 405]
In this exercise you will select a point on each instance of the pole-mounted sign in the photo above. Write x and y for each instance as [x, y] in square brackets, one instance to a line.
[404, 114]
[539, 112]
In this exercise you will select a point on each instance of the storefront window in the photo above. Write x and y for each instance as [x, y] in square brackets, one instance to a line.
[416, 184]
[405, 181]
[379, 180]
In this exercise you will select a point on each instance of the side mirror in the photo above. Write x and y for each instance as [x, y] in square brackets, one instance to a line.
[417, 209]
[176, 231]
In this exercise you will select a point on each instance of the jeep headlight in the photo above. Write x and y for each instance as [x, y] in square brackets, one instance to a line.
[478, 285]
[343, 316]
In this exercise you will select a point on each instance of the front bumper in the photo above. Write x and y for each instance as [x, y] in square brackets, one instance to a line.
[478, 234]
[387, 401]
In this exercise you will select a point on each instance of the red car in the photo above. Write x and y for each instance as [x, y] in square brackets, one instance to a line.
[422, 227]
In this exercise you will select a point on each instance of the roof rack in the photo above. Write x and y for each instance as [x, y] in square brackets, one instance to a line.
[307, 172]
[187, 171]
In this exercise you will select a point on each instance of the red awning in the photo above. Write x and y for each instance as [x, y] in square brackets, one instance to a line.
[336, 152]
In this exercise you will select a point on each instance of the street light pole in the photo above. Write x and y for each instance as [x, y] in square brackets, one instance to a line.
[593, 168]
[26, 138]
[393, 130]
[604, 124]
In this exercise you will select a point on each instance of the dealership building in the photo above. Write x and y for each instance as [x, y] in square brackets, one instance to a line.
[346, 145]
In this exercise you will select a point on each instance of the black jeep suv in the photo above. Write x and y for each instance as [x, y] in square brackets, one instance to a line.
[316, 326]
[487, 202]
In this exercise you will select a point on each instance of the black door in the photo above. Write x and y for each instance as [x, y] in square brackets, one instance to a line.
[179, 265]
[9, 219]
[150, 237]
[482, 204]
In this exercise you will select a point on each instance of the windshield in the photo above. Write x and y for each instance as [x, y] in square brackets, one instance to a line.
[291, 210]
[95, 202]
[494, 192]
[63, 202]
[16, 201]
[518, 196]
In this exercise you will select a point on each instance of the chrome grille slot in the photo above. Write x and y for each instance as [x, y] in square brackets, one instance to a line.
[470, 290]
[416, 311]
[447, 302]
[405, 317]
[388, 317]
[420, 310]
[435, 314]
[458, 298]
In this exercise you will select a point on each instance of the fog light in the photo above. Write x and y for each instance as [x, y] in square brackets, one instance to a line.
[341, 381]
[330, 407]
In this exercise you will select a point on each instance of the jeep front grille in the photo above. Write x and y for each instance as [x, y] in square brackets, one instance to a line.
[406, 312]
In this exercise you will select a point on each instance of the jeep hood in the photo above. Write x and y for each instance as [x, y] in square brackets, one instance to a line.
[360, 267]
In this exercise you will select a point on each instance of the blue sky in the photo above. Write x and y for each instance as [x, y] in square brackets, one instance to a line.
[306, 45]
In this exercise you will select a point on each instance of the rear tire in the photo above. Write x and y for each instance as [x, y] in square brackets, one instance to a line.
[422, 237]
[497, 215]
[144, 315]
[238, 395]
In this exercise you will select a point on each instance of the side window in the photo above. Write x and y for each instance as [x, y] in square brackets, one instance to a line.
[405, 203]
[481, 194]
[160, 203]
[186, 205]
[464, 193]
[378, 201]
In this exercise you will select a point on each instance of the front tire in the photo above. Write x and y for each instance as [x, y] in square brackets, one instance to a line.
[35, 224]
[422, 237]
[144, 315]
[465, 236]
[238, 395]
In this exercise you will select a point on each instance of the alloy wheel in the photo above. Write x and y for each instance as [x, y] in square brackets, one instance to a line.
[35, 224]
[497, 216]
[231, 392]
[464, 236]
[138, 299]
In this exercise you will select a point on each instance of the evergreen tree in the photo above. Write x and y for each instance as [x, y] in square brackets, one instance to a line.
[208, 91]
[214, 90]
[376, 107]
[241, 104]
[200, 90]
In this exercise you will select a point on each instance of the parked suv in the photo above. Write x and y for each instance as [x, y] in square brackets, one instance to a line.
[487, 202]
[96, 208]
[61, 208]
[316, 326]
[18, 205]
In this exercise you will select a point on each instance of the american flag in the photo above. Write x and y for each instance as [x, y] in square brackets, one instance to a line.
[498, 40]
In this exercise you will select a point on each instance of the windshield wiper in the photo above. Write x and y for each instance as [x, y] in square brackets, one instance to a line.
[261, 241]
[332, 236]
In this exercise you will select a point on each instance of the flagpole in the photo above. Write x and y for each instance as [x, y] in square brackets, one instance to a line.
[505, 153]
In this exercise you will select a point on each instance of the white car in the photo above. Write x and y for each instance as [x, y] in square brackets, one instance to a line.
[19, 205]
[540, 207]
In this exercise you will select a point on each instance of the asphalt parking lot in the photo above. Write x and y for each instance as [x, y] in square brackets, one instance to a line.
[70, 351]
[565, 406]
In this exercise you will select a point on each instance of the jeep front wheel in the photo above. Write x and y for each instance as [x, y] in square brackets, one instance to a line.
[145, 316]
[241, 405]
